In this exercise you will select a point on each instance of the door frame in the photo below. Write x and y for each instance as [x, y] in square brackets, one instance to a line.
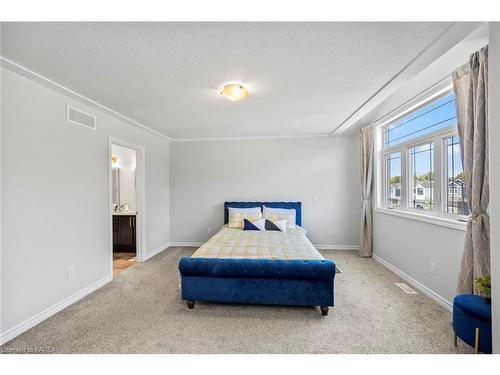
[140, 177]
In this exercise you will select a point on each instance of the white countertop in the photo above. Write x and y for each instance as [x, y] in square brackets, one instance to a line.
[130, 213]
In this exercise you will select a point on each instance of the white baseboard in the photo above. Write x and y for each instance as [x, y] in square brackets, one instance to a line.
[337, 247]
[47, 313]
[429, 293]
[186, 244]
[157, 251]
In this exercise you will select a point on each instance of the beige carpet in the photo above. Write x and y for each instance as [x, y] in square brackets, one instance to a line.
[141, 312]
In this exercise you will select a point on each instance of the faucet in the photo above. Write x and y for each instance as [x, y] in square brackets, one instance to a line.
[123, 207]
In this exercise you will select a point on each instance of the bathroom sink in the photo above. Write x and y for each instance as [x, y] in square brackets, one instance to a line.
[131, 212]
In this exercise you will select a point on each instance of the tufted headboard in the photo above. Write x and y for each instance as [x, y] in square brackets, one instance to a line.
[296, 205]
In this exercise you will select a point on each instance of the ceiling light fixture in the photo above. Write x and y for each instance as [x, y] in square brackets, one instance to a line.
[234, 92]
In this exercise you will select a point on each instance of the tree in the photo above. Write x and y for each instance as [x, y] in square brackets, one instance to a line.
[460, 176]
[424, 177]
[395, 180]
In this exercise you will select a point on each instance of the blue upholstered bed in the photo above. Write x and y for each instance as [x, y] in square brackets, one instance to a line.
[297, 282]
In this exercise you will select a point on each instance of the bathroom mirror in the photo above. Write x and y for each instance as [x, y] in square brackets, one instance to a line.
[115, 186]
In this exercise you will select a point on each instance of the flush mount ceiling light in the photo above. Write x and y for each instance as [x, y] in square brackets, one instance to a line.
[234, 92]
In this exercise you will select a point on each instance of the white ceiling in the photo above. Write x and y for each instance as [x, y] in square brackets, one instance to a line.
[304, 78]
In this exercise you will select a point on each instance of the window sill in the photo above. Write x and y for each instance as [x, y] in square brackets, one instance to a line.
[429, 219]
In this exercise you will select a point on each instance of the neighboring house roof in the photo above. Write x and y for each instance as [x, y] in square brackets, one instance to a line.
[456, 183]
[426, 184]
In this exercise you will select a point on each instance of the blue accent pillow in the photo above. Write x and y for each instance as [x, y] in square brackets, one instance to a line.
[248, 225]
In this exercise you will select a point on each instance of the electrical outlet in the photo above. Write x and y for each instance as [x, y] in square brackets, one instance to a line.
[433, 268]
[70, 272]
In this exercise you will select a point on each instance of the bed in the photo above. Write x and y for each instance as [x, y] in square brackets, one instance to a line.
[259, 267]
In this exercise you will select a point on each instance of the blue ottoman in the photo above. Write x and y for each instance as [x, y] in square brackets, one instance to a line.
[472, 322]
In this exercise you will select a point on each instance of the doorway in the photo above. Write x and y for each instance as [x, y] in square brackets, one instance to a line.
[126, 197]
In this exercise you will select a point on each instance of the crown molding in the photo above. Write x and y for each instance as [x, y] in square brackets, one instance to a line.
[17, 68]
[210, 139]
[30, 74]
[22, 70]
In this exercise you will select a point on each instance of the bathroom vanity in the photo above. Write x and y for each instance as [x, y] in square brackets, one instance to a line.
[124, 233]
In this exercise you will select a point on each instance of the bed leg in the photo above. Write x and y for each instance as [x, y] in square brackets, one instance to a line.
[190, 304]
[324, 310]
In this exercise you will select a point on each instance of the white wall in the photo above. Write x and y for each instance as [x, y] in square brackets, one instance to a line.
[126, 162]
[408, 245]
[55, 199]
[494, 86]
[411, 246]
[322, 173]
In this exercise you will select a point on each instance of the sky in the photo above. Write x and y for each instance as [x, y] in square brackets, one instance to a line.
[438, 115]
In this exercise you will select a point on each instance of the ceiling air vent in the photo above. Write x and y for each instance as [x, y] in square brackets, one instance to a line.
[78, 117]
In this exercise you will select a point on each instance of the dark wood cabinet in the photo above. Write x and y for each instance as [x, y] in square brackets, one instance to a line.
[124, 233]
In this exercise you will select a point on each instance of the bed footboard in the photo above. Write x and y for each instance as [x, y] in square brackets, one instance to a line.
[258, 281]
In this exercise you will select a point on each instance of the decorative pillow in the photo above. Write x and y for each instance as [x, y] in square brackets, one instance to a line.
[254, 225]
[236, 216]
[279, 225]
[275, 214]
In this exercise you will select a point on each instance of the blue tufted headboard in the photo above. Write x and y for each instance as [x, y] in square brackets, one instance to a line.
[296, 205]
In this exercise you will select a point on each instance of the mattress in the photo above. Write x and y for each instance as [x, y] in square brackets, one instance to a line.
[249, 244]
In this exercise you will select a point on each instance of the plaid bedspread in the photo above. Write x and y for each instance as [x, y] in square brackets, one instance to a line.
[239, 244]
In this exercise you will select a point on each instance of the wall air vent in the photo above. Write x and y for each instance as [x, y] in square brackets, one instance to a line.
[75, 116]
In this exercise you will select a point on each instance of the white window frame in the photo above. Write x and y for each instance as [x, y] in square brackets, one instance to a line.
[444, 176]
[386, 185]
[409, 187]
[438, 214]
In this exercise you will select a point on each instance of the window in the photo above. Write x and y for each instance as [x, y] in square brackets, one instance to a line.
[422, 169]
[393, 195]
[437, 115]
[456, 202]
[421, 179]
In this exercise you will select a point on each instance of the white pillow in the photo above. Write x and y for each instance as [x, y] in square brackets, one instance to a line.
[280, 224]
[236, 216]
[275, 214]
[261, 224]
